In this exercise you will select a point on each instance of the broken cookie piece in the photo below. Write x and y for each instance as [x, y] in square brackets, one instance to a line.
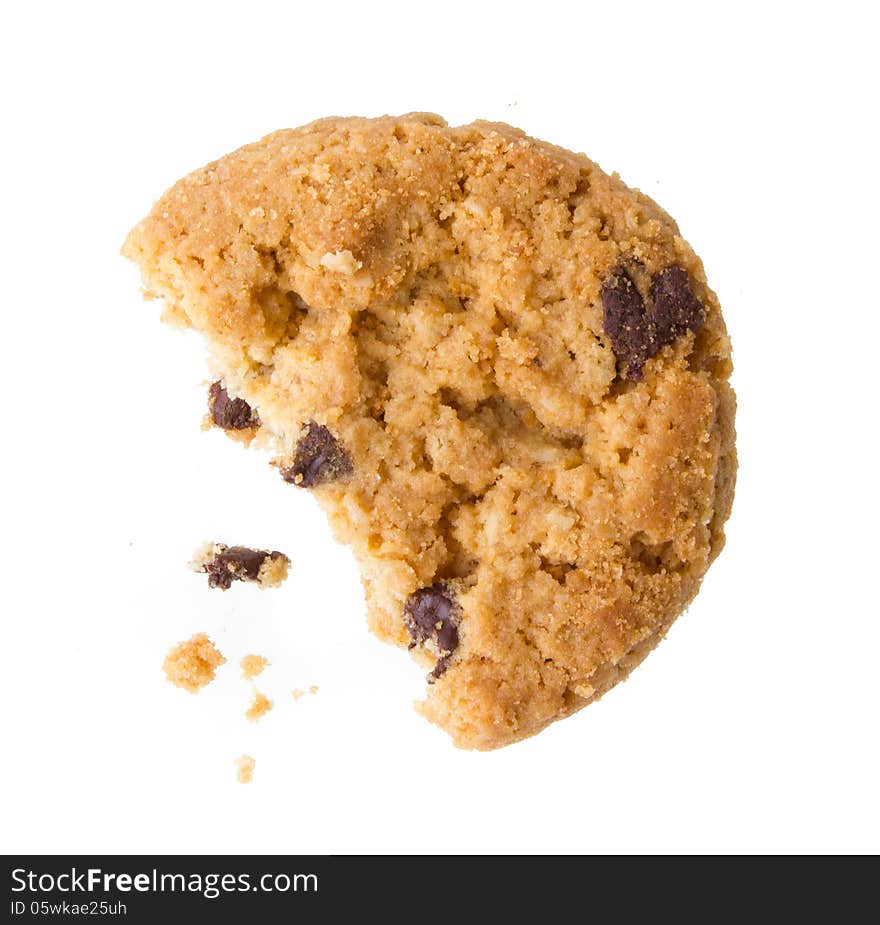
[193, 663]
[225, 564]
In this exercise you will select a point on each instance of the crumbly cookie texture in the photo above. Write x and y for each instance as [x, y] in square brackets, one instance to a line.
[245, 768]
[225, 564]
[259, 707]
[252, 665]
[193, 663]
[500, 371]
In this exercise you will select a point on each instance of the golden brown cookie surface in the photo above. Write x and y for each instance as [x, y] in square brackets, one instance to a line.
[499, 370]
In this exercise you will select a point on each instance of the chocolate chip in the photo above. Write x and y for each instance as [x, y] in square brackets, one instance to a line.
[319, 458]
[230, 413]
[626, 323]
[676, 308]
[430, 614]
[639, 331]
[439, 668]
[225, 564]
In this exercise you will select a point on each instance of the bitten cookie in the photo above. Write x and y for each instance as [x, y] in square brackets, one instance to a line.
[499, 370]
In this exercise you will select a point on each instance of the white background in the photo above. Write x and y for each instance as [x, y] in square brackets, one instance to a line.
[753, 728]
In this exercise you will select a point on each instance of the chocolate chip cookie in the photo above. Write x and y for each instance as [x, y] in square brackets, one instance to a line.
[500, 371]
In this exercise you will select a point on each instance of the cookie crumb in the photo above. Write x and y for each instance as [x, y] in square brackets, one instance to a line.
[585, 691]
[225, 564]
[192, 664]
[252, 665]
[259, 707]
[297, 693]
[245, 765]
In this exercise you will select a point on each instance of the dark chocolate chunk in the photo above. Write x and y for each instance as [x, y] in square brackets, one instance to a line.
[431, 613]
[319, 458]
[439, 668]
[235, 563]
[676, 309]
[627, 323]
[638, 332]
[230, 413]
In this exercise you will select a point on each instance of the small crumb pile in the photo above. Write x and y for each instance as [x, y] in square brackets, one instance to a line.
[252, 665]
[259, 707]
[192, 664]
[297, 693]
[245, 765]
